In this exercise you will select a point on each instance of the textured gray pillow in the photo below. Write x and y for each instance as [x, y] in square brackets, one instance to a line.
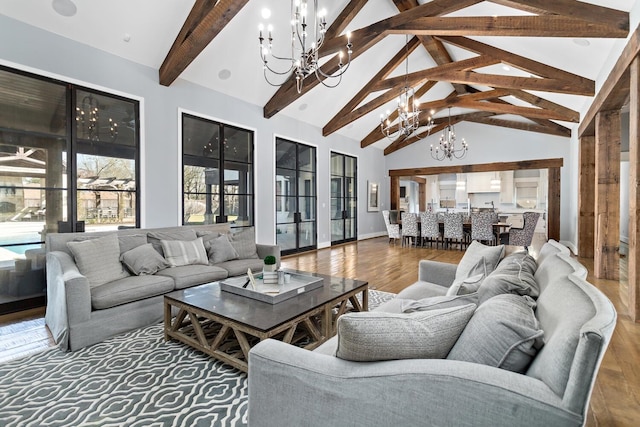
[435, 303]
[514, 275]
[143, 260]
[244, 242]
[503, 333]
[130, 241]
[374, 335]
[220, 250]
[184, 252]
[473, 254]
[154, 237]
[98, 259]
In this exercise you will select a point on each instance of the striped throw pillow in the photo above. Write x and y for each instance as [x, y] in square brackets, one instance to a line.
[184, 252]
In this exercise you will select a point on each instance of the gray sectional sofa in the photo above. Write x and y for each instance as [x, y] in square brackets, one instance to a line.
[523, 351]
[104, 283]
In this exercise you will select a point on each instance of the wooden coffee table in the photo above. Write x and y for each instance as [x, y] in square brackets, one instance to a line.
[226, 326]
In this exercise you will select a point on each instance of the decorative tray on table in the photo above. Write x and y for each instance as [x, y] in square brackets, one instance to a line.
[272, 294]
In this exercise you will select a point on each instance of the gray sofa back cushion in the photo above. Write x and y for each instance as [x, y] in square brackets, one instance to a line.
[98, 259]
[571, 332]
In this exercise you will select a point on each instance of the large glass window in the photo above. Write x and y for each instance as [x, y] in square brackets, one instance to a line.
[217, 173]
[68, 158]
[344, 200]
[296, 200]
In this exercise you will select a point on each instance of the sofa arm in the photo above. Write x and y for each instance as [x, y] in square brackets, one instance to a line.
[440, 273]
[68, 296]
[290, 386]
[264, 250]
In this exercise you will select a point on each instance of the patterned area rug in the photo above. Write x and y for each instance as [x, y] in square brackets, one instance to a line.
[133, 379]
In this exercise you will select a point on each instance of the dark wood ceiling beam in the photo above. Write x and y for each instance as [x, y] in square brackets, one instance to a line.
[440, 70]
[344, 18]
[520, 62]
[510, 26]
[571, 8]
[525, 83]
[615, 90]
[546, 104]
[433, 8]
[205, 21]
[527, 112]
[481, 167]
[345, 115]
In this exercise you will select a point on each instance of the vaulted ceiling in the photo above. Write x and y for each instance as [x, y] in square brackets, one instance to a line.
[520, 64]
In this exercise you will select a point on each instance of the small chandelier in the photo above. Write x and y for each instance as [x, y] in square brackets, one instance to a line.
[303, 59]
[446, 148]
[88, 116]
[408, 110]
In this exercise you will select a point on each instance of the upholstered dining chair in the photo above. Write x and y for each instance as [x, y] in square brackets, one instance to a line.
[453, 229]
[523, 236]
[393, 230]
[430, 228]
[482, 227]
[410, 230]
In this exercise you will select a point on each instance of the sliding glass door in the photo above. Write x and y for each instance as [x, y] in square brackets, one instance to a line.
[344, 201]
[296, 198]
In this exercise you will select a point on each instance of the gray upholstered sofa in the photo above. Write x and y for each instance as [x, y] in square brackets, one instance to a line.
[104, 283]
[316, 388]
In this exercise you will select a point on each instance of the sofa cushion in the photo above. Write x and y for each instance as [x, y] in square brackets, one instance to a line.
[474, 254]
[238, 267]
[98, 259]
[244, 242]
[220, 250]
[514, 275]
[129, 289]
[422, 289]
[144, 260]
[190, 275]
[471, 283]
[179, 233]
[503, 333]
[435, 303]
[184, 252]
[375, 335]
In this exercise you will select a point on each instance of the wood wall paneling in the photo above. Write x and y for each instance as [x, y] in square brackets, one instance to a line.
[607, 195]
[395, 193]
[634, 192]
[586, 196]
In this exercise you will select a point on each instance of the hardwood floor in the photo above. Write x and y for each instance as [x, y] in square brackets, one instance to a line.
[616, 397]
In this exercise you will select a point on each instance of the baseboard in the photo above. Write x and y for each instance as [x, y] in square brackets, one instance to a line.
[372, 235]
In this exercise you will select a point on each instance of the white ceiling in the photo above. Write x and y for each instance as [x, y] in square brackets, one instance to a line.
[152, 25]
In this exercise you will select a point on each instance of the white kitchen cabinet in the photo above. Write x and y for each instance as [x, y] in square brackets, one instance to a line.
[506, 187]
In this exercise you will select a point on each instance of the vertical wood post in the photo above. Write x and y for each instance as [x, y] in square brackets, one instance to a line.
[634, 192]
[553, 208]
[586, 195]
[607, 196]
[395, 193]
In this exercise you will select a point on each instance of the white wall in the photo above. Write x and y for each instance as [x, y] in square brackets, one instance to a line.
[31, 49]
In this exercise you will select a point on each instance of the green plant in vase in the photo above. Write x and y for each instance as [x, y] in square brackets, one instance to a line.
[269, 270]
[270, 263]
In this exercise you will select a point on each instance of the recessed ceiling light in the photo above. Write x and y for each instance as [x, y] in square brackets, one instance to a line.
[224, 74]
[64, 7]
[303, 107]
[582, 42]
[266, 13]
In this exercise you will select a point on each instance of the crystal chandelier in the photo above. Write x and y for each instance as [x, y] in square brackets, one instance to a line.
[446, 148]
[307, 36]
[408, 110]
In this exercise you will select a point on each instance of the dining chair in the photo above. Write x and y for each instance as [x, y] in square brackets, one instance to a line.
[482, 227]
[393, 230]
[453, 229]
[410, 228]
[523, 236]
[430, 228]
